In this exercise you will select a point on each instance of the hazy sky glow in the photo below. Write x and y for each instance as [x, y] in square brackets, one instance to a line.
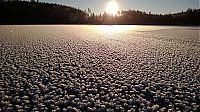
[154, 6]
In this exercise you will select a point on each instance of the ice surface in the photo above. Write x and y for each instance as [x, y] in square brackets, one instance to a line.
[99, 68]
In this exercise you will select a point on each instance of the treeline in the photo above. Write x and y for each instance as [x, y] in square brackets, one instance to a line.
[190, 17]
[23, 12]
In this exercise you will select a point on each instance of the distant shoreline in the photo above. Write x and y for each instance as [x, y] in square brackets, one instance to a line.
[104, 24]
[33, 13]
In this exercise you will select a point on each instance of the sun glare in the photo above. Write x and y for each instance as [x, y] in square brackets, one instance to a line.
[113, 29]
[112, 8]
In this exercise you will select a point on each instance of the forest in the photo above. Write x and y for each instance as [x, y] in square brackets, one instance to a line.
[24, 12]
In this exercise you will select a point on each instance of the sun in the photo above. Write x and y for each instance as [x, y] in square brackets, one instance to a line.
[112, 8]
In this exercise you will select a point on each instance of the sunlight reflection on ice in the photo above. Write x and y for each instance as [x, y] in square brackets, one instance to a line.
[112, 29]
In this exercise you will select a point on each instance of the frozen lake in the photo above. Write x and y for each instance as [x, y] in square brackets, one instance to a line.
[99, 68]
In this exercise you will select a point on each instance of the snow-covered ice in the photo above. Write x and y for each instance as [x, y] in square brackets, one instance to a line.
[99, 68]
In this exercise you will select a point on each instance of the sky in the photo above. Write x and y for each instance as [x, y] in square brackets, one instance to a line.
[153, 6]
